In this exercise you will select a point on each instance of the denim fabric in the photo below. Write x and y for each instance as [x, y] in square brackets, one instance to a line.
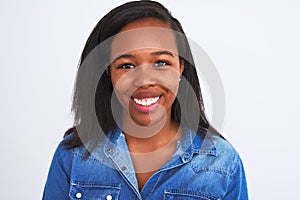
[201, 168]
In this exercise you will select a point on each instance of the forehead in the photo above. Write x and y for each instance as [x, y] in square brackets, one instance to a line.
[143, 38]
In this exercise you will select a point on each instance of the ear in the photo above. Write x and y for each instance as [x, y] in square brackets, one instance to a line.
[107, 70]
[181, 67]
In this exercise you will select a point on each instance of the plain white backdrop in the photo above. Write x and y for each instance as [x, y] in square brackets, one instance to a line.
[254, 45]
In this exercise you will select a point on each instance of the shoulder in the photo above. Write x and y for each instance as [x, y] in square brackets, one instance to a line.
[63, 153]
[217, 154]
[224, 148]
[57, 184]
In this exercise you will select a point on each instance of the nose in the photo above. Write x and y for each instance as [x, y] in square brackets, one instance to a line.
[144, 77]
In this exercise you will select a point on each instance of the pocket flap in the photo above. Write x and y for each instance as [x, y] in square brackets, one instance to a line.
[175, 194]
[82, 191]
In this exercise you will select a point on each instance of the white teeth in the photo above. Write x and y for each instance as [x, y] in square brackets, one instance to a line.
[146, 101]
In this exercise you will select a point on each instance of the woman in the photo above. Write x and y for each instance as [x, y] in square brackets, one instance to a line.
[140, 128]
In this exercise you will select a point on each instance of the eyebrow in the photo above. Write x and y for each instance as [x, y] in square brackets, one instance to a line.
[123, 56]
[156, 53]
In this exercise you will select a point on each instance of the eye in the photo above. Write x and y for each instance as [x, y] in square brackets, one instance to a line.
[126, 66]
[161, 63]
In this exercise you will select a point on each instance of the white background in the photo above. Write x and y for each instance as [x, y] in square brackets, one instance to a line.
[254, 45]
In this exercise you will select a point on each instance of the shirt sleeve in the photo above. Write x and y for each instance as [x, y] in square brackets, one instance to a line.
[237, 188]
[58, 180]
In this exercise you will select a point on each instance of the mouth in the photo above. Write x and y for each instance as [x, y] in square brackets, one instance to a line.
[146, 104]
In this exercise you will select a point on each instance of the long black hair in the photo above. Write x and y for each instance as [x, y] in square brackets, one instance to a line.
[110, 25]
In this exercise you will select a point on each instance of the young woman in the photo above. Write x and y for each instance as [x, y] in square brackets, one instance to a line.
[140, 130]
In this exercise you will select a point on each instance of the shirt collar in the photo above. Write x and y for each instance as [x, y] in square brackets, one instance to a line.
[190, 142]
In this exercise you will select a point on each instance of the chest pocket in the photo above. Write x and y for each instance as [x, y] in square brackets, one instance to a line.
[187, 195]
[80, 191]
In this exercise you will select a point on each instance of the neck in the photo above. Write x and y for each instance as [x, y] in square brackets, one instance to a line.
[142, 139]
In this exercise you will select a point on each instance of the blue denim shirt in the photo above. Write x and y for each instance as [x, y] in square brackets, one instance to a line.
[201, 168]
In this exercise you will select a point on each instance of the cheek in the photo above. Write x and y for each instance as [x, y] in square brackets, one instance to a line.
[170, 81]
[121, 79]
[118, 82]
[171, 95]
[114, 77]
[122, 88]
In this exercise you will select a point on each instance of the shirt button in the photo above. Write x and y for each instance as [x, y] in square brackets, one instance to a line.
[78, 195]
[186, 155]
[109, 197]
[108, 149]
[123, 168]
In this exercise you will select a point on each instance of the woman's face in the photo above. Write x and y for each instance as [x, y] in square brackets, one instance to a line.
[145, 70]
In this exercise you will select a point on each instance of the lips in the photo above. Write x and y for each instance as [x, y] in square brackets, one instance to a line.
[146, 104]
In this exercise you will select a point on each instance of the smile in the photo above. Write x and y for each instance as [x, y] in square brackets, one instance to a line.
[146, 101]
[146, 104]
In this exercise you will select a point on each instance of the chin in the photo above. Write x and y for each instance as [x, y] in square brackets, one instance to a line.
[156, 116]
[144, 120]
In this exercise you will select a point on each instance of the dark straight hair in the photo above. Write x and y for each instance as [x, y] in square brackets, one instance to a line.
[110, 25]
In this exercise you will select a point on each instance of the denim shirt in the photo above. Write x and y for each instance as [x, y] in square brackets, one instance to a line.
[201, 168]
